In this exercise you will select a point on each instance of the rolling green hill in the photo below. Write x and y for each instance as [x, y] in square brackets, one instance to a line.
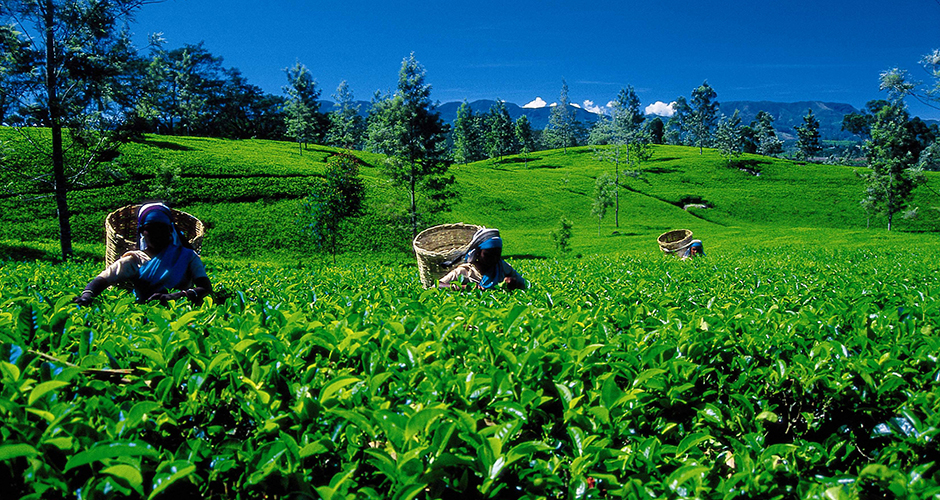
[249, 192]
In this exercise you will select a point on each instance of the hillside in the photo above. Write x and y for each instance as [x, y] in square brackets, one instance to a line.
[250, 192]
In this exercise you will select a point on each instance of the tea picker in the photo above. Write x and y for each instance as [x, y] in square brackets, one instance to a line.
[462, 255]
[679, 243]
[160, 258]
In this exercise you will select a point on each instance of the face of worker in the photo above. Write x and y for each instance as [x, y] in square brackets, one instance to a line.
[157, 236]
[489, 257]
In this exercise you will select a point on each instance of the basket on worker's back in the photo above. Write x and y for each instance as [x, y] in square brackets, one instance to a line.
[673, 241]
[121, 231]
[436, 245]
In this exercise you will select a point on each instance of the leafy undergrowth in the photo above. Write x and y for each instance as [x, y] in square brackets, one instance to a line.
[773, 375]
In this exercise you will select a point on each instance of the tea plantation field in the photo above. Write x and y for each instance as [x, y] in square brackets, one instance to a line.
[779, 373]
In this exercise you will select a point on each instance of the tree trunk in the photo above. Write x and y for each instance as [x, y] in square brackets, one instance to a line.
[617, 187]
[58, 162]
[414, 205]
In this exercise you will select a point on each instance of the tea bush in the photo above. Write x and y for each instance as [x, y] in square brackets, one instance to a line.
[772, 375]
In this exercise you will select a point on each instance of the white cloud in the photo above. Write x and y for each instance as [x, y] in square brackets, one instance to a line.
[593, 108]
[660, 108]
[536, 103]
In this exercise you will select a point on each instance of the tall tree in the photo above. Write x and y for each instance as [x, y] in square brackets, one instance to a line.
[898, 83]
[346, 125]
[17, 61]
[677, 128]
[604, 188]
[765, 137]
[892, 174]
[76, 42]
[467, 135]
[408, 129]
[622, 135]
[728, 138]
[302, 106]
[500, 137]
[561, 122]
[188, 91]
[525, 137]
[860, 123]
[809, 141]
[656, 129]
[704, 116]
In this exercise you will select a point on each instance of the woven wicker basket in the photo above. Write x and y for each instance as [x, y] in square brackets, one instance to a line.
[121, 231]
[438, 244]
[672, 241]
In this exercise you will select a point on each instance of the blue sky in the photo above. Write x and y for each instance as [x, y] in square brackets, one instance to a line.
[775, 51]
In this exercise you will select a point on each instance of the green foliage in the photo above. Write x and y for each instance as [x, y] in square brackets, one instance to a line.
[500, 135]
[561, 236]
[765, 137]
[728, 138]
[165, 180]
[808, 141]
[467, 135]
[560, 131]
[302, 109]
[605, 191]
[525, 136]
[408, 129]
[325, 211]
[891, 177]
[347, 127]
[750, 373]
[702, 116]
[248, 192]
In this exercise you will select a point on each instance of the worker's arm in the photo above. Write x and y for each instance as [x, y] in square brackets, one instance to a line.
[92, 290]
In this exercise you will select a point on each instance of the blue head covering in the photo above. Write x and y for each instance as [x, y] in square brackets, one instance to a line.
[495, 275]
[494, 242]
[168, 268]
[697, 245]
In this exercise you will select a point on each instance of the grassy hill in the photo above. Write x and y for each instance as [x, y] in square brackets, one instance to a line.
[249, 193]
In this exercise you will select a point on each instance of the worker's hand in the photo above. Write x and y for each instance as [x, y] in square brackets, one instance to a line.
[513, 284]
[84, 299]
[162, 297]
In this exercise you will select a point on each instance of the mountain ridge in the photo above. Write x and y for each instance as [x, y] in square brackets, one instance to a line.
[787, 115]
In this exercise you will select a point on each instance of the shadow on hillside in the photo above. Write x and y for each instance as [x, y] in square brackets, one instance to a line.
[525, 256]
[752, 166]
[516, 160]
[167, 145]
[618, 234]
[24, 253]
[661, 170]
[537, 167]
[667, 158]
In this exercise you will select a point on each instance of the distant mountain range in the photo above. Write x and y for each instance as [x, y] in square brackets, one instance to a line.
[787, 115]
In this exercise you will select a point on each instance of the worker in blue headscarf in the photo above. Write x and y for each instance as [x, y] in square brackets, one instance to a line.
[695, 249]
[483, 265]
[164, 261]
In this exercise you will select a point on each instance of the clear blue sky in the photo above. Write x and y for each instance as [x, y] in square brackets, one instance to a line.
[518, 50]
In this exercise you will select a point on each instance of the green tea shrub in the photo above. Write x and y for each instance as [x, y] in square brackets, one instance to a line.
[792, 375]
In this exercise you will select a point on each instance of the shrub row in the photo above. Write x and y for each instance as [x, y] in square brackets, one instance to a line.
[798, 376]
